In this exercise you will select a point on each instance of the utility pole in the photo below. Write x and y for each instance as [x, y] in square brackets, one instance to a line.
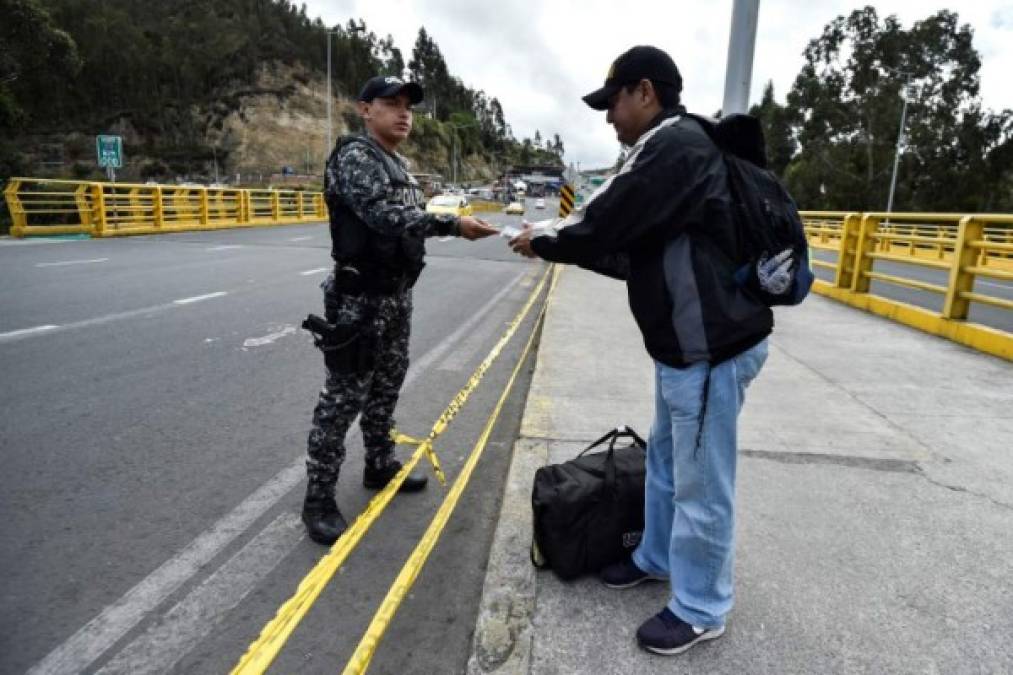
[900, 140]
[741, 45]
[330, 140]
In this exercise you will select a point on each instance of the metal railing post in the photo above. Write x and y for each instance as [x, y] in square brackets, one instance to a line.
[962, 281]
[275, 205]
[17, 210]
[158, 210]
[848, 251]
[100, 209]
[863, 262]
[204, 206]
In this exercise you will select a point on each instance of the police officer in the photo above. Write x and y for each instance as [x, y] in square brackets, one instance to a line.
[378, 229]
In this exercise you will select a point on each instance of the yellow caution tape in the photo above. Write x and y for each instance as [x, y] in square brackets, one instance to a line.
[427, 446]
[406, 578]
[262, 652]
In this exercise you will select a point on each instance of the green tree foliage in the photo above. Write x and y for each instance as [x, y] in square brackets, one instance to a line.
[38, 61]
[845, 108]
[81, 65]
[777, 129]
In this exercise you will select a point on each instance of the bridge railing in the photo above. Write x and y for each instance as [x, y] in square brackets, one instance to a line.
[49, 207]
[964, 248]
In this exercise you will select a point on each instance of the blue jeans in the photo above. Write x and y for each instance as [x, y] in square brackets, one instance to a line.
[689, 508]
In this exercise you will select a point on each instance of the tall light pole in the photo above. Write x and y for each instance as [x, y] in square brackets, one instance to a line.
[900, 139]
[453, 147]
[741, 44]
[330, 140]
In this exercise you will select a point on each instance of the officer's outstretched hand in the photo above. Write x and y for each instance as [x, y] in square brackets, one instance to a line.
[475, 228]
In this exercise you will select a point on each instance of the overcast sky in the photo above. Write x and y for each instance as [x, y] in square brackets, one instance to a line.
[540, 58]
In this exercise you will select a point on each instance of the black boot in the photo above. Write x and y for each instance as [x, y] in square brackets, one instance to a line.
[324, 522]
[377, 479]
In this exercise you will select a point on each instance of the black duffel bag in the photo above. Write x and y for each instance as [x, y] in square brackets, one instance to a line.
[589, 511]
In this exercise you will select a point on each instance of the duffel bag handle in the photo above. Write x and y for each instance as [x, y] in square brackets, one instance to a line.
[621, 431]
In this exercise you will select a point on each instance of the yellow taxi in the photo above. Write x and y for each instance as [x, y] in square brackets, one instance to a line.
[514, 207]
[452, 204]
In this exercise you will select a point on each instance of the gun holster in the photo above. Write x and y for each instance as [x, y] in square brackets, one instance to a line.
[346, 349]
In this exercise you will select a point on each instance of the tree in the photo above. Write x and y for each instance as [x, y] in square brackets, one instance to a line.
[777, 130]
[37, 62]
[428, 68]
[845, 107]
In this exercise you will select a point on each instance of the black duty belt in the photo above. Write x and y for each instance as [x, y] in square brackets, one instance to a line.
[372, 284]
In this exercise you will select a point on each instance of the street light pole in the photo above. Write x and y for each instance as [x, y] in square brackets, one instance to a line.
[900, 139]
[741, 44]
[330, 139]
[453, 147]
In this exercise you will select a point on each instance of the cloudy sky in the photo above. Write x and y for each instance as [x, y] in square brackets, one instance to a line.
[539, 58]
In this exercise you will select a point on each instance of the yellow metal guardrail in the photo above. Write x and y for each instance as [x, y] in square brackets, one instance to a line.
[967, 248]
[48, 207]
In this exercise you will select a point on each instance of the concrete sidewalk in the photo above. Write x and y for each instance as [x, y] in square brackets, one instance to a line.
[875, 502]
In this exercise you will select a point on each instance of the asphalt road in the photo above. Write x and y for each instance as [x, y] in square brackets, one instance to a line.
[979, 313]
[155, 403]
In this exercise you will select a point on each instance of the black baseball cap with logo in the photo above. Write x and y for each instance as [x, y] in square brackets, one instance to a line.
[389, 86]
[639, 63]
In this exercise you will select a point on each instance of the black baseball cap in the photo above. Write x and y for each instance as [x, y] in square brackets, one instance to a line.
[639, 63]
[388, 86]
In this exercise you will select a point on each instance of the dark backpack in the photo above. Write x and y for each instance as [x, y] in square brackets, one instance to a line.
[767, 221]
[589, 511]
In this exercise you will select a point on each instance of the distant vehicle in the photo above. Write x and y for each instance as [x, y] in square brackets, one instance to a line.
[540, 204]
[515, 208]
[452, 204]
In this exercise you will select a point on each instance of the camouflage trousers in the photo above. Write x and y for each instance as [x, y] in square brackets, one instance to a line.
[369, 383]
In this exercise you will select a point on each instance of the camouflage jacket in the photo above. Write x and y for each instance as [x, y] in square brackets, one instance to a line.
[373, 201]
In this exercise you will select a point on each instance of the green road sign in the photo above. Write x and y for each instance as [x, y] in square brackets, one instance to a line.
[110, 151]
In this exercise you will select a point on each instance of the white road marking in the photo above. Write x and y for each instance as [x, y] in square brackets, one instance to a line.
[13, 241]
[317, 270]
[89, 643]
[300, 238]
[71, 262]
[24, 332]
[224, 247]
[199, 298]
[269, 338]
[159, 648]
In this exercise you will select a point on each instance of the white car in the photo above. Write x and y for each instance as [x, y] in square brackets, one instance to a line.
[540, 204]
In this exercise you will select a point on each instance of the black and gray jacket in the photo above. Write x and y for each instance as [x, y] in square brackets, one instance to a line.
[377, 211]
[664, 224]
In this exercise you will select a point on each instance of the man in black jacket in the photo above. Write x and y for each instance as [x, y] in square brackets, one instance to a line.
[664, 224]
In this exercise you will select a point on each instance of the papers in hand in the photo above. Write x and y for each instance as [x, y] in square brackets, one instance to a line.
[539, 227]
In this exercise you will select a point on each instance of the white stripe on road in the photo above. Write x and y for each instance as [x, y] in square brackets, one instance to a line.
[225, 247]
[116, 620]
[71, 262]
[160, 647]
[300, 238]
[26, 331]
[269, 338]
[14, 336]
[199, 298]
[74, 655]
[317, 270]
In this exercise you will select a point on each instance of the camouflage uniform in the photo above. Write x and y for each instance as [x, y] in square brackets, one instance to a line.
[378, 228]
